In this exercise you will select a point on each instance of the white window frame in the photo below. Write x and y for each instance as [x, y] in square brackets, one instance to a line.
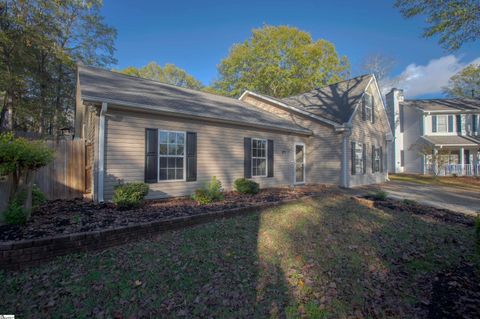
[257, 157]
[304, 162]
[377, 158]
[369, 109]
[360, 171]
[169, 156]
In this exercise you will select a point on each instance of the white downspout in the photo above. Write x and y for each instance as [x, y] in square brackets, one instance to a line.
[101, 152]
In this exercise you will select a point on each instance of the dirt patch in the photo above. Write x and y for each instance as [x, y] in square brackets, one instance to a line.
[456, 293]
[75, 216]
[412, 207]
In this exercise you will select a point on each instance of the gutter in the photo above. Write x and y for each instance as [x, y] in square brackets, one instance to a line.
[101, 152]
[149, 108]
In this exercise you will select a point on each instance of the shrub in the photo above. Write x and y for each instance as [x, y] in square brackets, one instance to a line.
[411, 202]
[378, 195]
[246, 186]
[15, 214]
[38, 198]
[211, 193]
[130, 195]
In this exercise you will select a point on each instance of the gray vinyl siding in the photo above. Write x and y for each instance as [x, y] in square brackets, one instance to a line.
[219, 152]
[323, 149]
[370, 134]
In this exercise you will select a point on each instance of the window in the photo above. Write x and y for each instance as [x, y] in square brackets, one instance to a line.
[259, 157]
[376, 157]
[367, 107]
[171, 155]
[442, 123]
[358, 158]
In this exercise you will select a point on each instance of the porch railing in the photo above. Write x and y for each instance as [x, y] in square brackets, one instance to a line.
[453, 169]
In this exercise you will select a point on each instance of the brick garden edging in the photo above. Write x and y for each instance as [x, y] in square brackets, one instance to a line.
[22, 253]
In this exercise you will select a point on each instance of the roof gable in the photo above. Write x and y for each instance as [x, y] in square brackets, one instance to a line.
[335, 102]
[97, 85]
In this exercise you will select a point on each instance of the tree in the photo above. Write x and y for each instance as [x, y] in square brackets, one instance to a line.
[280, 61]
[378, 64]
[20, 158]
[465, 84]
[455, 22]
[169, 74]
[40, 41]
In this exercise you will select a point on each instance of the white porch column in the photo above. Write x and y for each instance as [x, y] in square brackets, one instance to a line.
[461, 161]
[435, 162]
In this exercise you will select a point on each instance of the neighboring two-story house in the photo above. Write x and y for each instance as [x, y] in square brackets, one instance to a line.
[439, 136]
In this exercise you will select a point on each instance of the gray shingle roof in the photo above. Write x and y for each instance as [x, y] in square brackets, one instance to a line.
[449, 140]
[444, 104]
[99, 85]
[335, 102]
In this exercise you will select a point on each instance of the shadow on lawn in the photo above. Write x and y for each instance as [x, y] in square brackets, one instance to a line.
[322, 258]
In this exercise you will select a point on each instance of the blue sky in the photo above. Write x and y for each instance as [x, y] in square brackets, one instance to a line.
[196, 35]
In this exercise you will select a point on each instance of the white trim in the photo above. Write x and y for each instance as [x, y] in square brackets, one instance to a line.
[266, 157]
[295, 163]
[291, 108]
[130, 106]
[101, 151]
[167, 156]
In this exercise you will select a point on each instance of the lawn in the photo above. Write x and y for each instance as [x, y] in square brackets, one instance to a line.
[326, 257]
[459, 181]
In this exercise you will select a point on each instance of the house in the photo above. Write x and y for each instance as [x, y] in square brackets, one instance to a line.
[176, 139]
[440, 136]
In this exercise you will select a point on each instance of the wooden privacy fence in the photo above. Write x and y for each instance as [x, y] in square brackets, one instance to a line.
[64, 177]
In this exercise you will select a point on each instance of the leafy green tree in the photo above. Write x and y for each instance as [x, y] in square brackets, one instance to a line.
[455, 22]
[40, 41]
[169, 74]
[20, 158]
[280, 61]
[466, 83]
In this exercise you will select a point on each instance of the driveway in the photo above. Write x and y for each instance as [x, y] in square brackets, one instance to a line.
[456, 199]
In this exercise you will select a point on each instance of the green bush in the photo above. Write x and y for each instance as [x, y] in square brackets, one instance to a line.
[38, 198]
[246, 186]
[211, 193]
[130, 195]
[15, 214]
[378, 195]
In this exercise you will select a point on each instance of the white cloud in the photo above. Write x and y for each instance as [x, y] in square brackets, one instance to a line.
[417, 80]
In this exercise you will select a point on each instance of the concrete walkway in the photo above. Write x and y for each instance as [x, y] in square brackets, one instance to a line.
[456, 199]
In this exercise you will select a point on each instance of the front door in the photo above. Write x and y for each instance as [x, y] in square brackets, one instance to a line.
[299, 163]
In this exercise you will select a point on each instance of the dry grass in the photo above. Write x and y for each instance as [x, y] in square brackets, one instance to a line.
[327, 257]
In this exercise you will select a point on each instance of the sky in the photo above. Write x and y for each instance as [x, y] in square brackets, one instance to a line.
[197, 35]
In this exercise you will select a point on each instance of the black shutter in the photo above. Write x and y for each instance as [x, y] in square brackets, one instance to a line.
[191, 157]
[474, 123]
[373, 158]
[270, 158]
[434, 123]
[402, 119]
[364, 158]
[353, 158]
[373, 110]
[364, 111]
[247, 162]
[151, 155]
[459, 124]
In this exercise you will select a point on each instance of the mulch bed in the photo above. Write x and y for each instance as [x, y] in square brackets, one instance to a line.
[412, 207]
[60, 217]
[456, 293]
